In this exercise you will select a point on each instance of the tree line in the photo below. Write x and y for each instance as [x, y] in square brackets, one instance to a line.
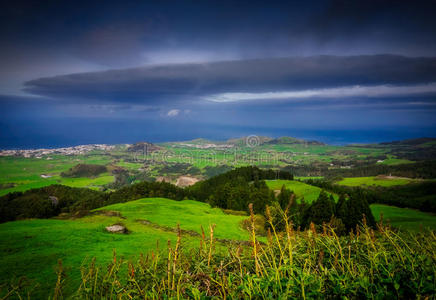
[421, 195]
[422, 169]
[237, 188]
[343, 216]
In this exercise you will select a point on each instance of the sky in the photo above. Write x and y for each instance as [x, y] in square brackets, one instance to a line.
[81, 72]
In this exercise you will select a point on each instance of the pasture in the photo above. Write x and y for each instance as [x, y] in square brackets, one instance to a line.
[301, 189]
[404, 218]
[384, 181]
[33, 247]
[25, 173]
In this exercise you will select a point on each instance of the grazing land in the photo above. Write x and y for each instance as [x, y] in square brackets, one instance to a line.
[375, 180]
[33, 247]
[302, 190]
[26, 173]
[404, 218]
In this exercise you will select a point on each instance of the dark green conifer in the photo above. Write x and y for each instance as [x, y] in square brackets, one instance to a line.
[321, 210]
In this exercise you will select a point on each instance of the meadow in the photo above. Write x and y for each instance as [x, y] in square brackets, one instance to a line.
[404, 218]
[302, 190]
[375, 181]
[25, 173]
[33, 247]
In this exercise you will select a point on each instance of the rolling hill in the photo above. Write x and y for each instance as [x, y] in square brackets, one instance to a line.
[33, 247]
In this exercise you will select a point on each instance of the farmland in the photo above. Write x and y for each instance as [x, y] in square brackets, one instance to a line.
[200, 157]
[375, 180]
[25, 173]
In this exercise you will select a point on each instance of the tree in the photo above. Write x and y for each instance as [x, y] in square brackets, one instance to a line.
[321, 210]
[284, 197]
[351, 211]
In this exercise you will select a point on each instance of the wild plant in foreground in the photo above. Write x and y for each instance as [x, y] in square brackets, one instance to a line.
[367, 263]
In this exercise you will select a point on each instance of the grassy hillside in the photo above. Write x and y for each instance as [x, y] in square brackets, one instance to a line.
[375, 180]
[301, 189]
[404, 218]
[188, 213]
[32, 247]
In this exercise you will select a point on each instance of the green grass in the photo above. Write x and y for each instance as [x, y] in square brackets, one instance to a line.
[368, 264]
[404, 218]
[26, 172]
[188, 213]
[309, 192]
[372, 180]
[32, 247]
[307, 177]
[88, 182]
[396, 161]
[93, 183]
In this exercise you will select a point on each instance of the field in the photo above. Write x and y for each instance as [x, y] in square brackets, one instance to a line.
[25, 173]
[301, 189]
[404, 218]
[197, 158]
[375, 180]
[32, 247]
[391, 160]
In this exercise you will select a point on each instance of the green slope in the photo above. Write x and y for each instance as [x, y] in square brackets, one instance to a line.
[32, 247]
[188, 213]
[404, 218]
[301, 189]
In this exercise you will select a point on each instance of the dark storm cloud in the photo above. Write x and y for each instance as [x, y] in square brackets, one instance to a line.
[228, 51]
[168, 83]
[120, 34]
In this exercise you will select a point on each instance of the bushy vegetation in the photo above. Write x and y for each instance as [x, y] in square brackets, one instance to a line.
[84, 170]
[177, 168]
[146, 189]
[237, 188]
[48, 202]
[211, 171]
[345, 215]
